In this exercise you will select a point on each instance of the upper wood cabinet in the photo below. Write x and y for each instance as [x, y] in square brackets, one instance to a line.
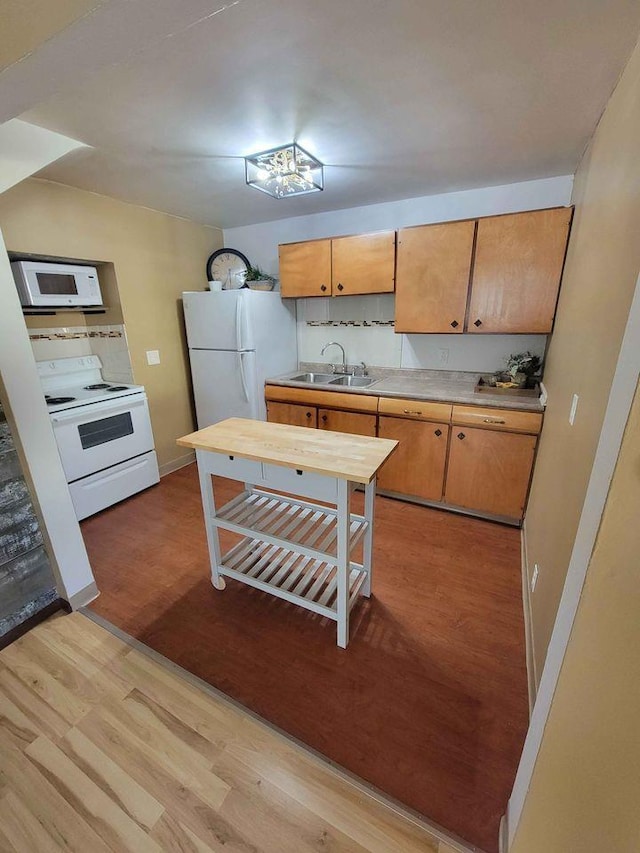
[363, 264]
[517, 269]
[343, 266]
[432, 277]
[305, 268]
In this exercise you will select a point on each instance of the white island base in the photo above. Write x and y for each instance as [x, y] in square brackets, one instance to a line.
[292, 547]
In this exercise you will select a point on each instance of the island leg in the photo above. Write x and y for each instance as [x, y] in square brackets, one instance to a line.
[342, 556]
[367, 546]
[209, 507]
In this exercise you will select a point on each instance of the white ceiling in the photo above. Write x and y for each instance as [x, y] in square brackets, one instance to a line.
[399, 99]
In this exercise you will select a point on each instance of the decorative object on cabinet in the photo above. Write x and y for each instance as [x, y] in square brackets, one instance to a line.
[257, 279]
[522, 366]
[228, 266]
[285, 171]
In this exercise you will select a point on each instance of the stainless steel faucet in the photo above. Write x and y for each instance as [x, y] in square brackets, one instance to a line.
[344, 357]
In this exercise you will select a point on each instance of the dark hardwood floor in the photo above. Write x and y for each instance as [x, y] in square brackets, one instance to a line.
[429, 701]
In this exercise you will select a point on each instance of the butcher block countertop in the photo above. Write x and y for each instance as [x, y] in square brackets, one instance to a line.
[356, 458]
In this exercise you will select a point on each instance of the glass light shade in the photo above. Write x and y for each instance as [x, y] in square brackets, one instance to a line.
[283, 172]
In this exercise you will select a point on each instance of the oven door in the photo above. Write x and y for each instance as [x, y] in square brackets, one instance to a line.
[94, 437]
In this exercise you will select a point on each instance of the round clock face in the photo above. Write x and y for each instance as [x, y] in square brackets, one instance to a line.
[228, 266]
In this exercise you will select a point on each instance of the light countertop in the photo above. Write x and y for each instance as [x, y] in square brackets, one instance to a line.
[447, 386]
[356, 458]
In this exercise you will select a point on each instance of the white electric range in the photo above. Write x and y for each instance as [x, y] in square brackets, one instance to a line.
[103, 432]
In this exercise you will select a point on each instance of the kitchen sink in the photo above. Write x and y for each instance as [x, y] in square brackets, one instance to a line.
[354, 381]
[315, 378]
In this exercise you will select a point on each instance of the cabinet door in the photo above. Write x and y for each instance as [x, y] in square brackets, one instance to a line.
[352, 422]
[517, 270]
[289, 413]
[363, 264]
[432, 277]
[489, 471]
[417, 465]
[305, 268]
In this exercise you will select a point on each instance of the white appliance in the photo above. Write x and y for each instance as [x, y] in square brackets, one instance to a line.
[103, 432]
[236, 338]
[44, 285]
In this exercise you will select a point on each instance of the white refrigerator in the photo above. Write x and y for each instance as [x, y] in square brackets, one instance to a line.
[236, 339]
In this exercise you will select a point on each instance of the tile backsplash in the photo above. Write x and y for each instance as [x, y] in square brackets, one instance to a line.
[363, 325]
[107, 342]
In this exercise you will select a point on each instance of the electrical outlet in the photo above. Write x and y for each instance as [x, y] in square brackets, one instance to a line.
[443, 355]
[153, 356]
[534, 577]
[572, 411]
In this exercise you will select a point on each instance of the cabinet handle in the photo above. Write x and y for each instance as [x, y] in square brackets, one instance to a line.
[323, 287]
[478, 323]
[411, 412]
[340, 287]
[299, 472]
[494, 421]
[231, 458]
[324, 419]
[308, 415]
[438, 432]
[461, 435]
[454, 324]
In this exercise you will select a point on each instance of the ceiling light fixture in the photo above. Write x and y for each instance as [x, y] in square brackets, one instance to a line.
[283, 172]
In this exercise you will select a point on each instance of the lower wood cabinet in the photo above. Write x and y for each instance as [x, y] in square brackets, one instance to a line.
[417, 466]
[489, 471]
[290, 413]
[352, 422]
[475, 458]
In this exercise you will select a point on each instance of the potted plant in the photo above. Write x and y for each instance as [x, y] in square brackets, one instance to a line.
[257, 279]
[523, 366]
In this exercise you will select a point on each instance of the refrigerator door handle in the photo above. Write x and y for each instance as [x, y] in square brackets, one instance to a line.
[239, 322]
[242, 377]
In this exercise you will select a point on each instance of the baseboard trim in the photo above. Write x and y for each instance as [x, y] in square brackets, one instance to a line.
[503, 837]
[456, 844]
[84, 596]
[176, 464]
[21, 629]
[532, 681]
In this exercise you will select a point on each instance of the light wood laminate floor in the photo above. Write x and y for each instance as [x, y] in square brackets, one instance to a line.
[103, 748]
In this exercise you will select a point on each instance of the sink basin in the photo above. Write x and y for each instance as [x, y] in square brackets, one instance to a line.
[354, 381]
[314, 378]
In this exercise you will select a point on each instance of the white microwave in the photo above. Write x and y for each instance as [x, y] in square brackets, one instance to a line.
[46, 285]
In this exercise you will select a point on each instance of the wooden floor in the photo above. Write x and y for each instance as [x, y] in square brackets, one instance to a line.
[428, 703]
[104, 749]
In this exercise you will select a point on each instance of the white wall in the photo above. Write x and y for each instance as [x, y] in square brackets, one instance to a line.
[379, 345]
[26, 148]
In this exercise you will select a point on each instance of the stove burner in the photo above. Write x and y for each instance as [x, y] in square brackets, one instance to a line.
[117, 388]
[97, 386]
[56, 401]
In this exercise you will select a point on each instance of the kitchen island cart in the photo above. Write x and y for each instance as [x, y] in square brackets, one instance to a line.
[292, 547]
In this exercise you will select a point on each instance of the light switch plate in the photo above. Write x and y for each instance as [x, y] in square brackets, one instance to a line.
[153, 356]
[574, 406]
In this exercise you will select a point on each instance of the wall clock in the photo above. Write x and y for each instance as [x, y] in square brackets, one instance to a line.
[228, 266]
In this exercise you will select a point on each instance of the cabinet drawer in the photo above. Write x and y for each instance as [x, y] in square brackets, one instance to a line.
[420, 410]
[328, 399]
[232, 467]
[498, 419]
[295, 482]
